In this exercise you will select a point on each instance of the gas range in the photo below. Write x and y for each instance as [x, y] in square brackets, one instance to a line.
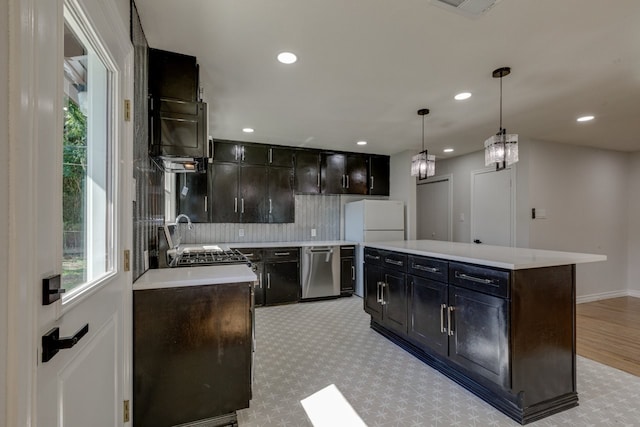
[205, 257]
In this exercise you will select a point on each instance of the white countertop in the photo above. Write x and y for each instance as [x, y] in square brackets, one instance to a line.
[492, 256]
[194, 276]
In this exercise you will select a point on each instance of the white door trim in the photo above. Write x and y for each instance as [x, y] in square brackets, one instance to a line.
[512, 213]
[449, 179]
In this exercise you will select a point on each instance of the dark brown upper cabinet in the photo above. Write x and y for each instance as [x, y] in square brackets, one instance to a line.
[379, 175]
[307, 172]
[192, 196]
[173, 75]
[344, 173]
[238, 152]
[281, 156]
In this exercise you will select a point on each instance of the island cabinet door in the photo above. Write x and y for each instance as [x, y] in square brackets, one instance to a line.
[428, 310]
[373, 278]
[478, 328]
[394, 301]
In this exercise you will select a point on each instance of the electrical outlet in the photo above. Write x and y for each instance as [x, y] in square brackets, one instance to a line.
[313, 232]
[241, 232]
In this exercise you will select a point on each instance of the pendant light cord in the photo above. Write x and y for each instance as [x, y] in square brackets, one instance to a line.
[423, 132]
[501, 104]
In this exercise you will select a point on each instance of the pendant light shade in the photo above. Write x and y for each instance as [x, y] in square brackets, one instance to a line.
[501, 149]
[423, 164]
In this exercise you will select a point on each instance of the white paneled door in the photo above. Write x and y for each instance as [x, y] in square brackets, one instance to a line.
[433, 210]
[71, 64]
[492, 207]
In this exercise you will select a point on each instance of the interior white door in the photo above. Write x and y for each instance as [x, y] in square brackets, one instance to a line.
[86, 384]
[492, 208]
[433, 210]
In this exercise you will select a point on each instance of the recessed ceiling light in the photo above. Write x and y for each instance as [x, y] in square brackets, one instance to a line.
[448, 150]
[287, 57]
[361, 142]
[462, 96]
[585, 118]
[247, 130]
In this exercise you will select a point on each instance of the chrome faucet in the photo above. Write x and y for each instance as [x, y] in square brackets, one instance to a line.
[178, 233]
[179, 217]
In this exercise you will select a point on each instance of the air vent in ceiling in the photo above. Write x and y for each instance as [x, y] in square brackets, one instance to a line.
[470, 8]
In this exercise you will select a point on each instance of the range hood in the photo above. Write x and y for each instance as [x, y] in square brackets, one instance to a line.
[182, 164]
[178, 135]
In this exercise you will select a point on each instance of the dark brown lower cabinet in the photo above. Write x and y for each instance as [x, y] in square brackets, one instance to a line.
[192, 353]
[347, 270]
[506, 335]
[281, 275]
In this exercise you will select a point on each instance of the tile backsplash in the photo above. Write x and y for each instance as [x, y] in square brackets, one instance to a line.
[318, 212]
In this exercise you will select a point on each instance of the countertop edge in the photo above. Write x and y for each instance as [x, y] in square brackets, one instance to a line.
[194, 276]
[538, 258]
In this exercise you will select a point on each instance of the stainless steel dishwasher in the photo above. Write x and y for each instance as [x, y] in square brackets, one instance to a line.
[320, 272]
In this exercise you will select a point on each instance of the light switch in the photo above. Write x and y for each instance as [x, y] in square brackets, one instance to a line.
[241, 232]
[313, 232]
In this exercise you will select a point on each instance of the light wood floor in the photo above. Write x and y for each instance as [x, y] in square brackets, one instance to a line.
[608, 331]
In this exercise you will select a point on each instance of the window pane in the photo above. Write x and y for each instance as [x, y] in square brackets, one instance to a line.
[86, 194]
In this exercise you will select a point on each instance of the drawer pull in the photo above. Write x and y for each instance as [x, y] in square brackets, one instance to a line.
[282, 253]
[449, 321]
[376, 257]
[379, 292]
[392, 261]
[348, 247]
[423, 268]
[475, 279]
[443, 308]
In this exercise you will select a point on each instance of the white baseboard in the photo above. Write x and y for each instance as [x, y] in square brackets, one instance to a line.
[634, 294]
[606, 295]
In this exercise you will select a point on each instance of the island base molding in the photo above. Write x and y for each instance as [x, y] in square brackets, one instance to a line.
[507, 403]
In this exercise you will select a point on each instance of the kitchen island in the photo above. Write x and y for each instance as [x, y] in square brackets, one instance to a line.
[499, 321]
[192, 345]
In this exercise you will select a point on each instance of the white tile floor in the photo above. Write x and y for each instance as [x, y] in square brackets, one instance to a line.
[305, 347]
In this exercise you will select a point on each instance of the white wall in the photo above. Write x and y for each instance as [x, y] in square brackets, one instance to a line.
[402, 186]
[4, 200]
[633, 259]
[585, 192]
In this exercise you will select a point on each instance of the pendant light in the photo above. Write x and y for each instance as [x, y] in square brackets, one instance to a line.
[501, 148]
[423, 165]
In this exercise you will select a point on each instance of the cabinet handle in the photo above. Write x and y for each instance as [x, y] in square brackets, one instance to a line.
[270, 155]
[353, 272]
[236, 149]
[377, 257]
[269, 205]
[371, 188]
[378, 292]
[235, 204]
[282, 253]
[268, 280]
[394, 262]
[260, 280]
[423, 268]
[342, 181]
[347, 176]
[384, 285]
[206, 203]
[450, 316]
[443, 308]
[242, 205]
[318, 181]
[474, 279]
[242, 158]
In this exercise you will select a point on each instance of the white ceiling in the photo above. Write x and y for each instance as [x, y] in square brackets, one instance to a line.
[366, 66]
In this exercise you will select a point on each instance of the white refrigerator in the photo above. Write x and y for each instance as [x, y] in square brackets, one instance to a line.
[372, 221]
